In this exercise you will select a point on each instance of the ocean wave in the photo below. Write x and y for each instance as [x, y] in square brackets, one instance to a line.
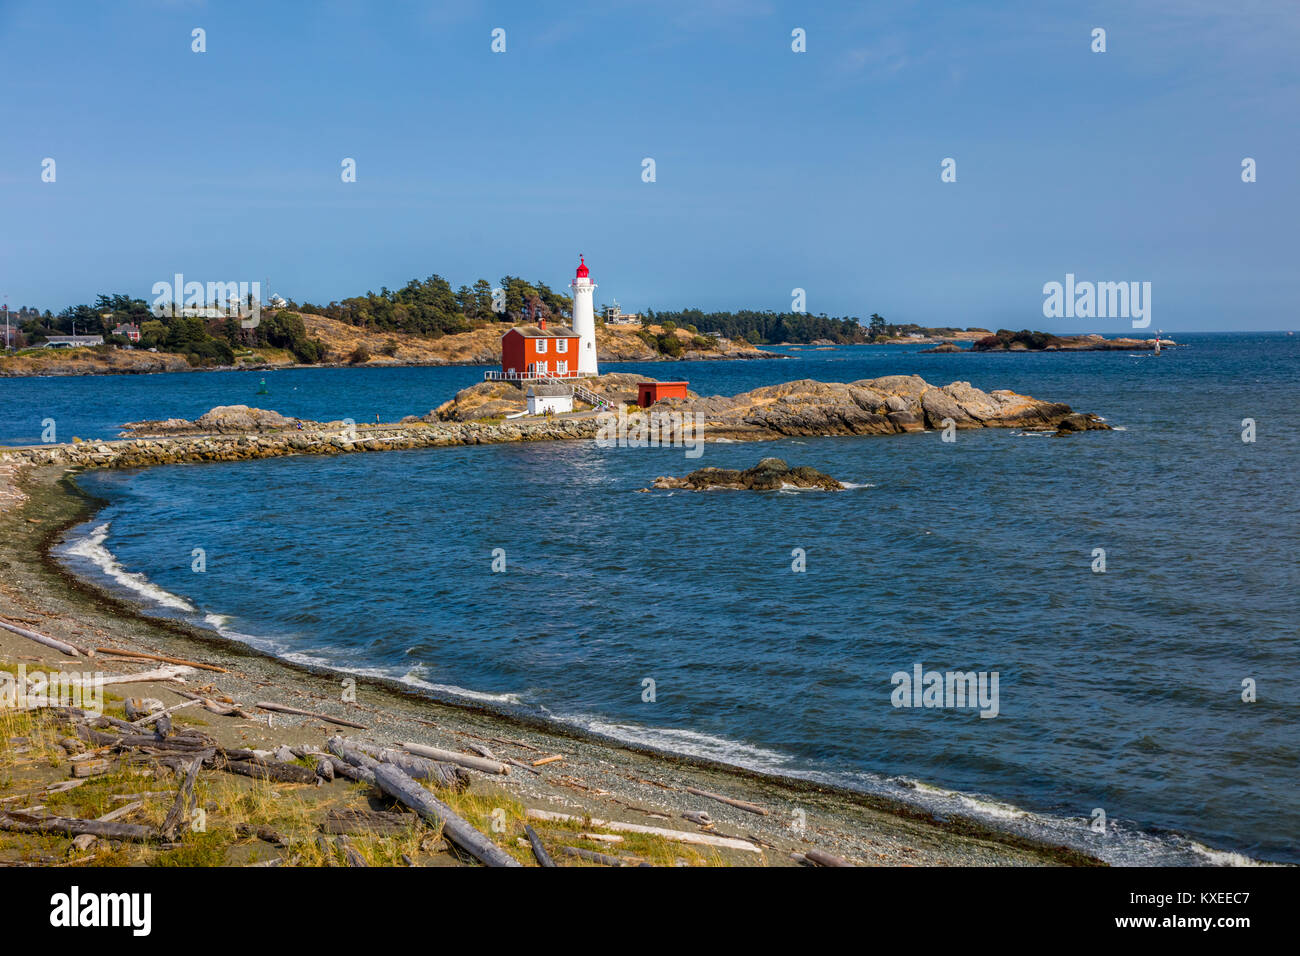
[90, 547]
[410, 676]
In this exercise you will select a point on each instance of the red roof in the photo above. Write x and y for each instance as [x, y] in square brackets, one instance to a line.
[583, 271]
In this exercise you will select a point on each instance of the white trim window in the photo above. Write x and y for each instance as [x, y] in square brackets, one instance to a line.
[561, 345]
[541, 346]
[561, 368]
[541, 367]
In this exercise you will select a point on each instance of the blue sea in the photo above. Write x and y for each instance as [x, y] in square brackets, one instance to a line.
[1120, 691]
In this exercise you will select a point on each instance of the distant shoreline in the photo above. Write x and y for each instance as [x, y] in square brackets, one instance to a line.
[280, 367]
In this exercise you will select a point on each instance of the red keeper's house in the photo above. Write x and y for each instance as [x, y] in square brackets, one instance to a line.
[534, 351]
[647, 393]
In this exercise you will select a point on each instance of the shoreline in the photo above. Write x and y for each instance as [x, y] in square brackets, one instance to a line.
[90, 371]
[600, 776]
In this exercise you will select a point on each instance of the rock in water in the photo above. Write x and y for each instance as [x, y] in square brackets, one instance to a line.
[770, 474]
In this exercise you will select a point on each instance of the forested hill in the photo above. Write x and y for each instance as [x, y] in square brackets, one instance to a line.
[767, 327]
[432, 307]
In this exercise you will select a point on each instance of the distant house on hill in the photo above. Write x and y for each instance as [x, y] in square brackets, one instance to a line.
[614, 315]
[73, 341]
[128, 329]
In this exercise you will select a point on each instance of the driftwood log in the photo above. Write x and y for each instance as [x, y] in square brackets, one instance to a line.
[681, 836]
[591, 856]
[822, 858]
[169, 673]
[729, 801]
[394, 782]
[338, 766]
[141, 655]
[62, 647]
[451, 756]
[146, 721]
[260, 769]
[364, 758]
[286, 709]
[361, 764]
[421, 768]
[182, 808]
[216, 707]
[367, 822]
[71, 826]
[539, 851]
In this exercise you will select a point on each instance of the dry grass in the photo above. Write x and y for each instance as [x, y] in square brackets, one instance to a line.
[31, 759]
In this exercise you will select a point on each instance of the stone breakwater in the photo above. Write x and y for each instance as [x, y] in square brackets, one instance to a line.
[183, 449]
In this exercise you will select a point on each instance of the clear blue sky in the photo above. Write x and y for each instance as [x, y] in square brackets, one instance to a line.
[775, 170]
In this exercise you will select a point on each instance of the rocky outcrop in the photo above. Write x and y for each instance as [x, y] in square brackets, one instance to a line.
[770, 474]
[1026, 341]
[1077, 422]
[222, 420]
[943, 348]
[881, 406]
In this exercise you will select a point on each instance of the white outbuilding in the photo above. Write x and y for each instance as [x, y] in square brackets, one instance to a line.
[554, 399]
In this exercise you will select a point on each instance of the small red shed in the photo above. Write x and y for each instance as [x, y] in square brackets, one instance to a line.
[647, 393]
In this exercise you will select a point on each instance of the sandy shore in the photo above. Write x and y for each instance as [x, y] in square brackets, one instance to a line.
[597, 777]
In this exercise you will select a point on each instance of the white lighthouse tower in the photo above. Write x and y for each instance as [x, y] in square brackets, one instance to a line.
[584, 318]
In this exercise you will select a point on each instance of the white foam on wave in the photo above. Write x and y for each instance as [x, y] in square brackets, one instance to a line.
[981, 807]
[681, 740]
[1121, 845]
[1225, 857]
[91, 548]
[411, 677]
[853, 485]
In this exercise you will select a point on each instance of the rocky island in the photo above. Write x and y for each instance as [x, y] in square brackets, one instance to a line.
[770, 474]
[882, 406]
[1026, 341]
